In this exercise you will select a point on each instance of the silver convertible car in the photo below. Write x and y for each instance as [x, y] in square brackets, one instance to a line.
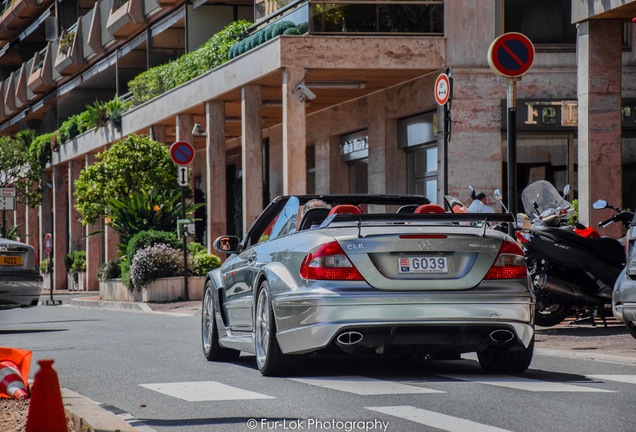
[20, 280]
[383, 274]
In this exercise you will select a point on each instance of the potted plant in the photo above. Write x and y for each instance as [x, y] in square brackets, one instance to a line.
[75, 263]
[69, 52]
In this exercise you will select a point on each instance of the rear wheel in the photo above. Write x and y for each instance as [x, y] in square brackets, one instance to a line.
[209, 331]
[269, 358]
[549, 314]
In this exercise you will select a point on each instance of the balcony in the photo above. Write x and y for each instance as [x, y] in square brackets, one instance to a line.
[398, 17]
[41, 73]
[18, 14]
[70, 57]
[126, 17]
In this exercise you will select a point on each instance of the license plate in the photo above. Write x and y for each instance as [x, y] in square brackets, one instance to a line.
[431, 264]
[10, 260]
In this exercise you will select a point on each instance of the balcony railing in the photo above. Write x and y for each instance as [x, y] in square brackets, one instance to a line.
[385, 17]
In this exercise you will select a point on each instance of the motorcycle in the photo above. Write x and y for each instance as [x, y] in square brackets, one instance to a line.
[569, 264]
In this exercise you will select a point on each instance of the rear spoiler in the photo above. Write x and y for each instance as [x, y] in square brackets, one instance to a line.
[483, 218]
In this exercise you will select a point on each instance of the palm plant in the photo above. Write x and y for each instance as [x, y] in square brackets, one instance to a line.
[142, 211]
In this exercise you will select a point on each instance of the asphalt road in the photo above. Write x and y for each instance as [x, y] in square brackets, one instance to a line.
[151, 366]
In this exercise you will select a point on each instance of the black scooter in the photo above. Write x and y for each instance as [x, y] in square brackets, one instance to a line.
[569, 265]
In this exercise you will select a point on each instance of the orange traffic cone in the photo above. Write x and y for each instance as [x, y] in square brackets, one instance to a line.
[14, 372]
[11, 381]
[46, 411]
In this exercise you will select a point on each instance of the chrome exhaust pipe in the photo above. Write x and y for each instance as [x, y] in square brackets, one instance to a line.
[349, 338]
[349, 341]
[501, 336]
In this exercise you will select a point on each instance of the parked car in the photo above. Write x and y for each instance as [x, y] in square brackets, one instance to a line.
[407, 280]
[624, 294]
[20, 279]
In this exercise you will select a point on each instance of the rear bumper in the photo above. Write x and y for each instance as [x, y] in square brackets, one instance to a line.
[20, 289]
[463, 323]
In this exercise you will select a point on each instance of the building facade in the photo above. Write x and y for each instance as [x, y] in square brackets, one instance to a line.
[369, 122]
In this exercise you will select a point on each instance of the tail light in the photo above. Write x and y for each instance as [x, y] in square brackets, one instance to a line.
[509, 264]
[329, 262]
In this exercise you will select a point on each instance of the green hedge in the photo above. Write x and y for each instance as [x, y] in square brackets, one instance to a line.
[213, 53]
[271, 31]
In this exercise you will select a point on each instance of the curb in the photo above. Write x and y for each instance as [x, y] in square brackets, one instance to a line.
[89, 416]
[586, 356]
[90, 303]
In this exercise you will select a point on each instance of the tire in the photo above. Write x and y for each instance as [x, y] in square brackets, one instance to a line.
[631, 328]
[549, 314]
[269, 358]
[209, 331]
[506, 358]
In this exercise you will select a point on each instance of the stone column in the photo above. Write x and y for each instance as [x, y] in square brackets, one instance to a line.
[338, 170]
[252, 154]
[158, 133]
[45, 212]
[60, 225]
[93, 245]
[19, 219]
[76, 230]
[599, 130]
[185, 122]
[32, 230]
[215, 167]
[294, 134]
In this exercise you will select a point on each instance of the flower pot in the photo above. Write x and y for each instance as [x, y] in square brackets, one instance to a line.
[116, 290]
[172, 289]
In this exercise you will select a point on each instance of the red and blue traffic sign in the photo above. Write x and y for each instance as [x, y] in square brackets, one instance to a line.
[48, 243]
[511, 55]
[182, 153]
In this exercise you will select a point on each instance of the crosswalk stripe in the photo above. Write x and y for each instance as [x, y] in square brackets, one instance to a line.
[525, 383]
[628, 379]
[436, 420]
[364, 386]
[201, 391]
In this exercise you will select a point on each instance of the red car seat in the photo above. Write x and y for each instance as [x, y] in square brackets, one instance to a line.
[429, 208]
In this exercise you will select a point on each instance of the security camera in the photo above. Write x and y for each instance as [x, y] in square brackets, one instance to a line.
[305, 93]
[197, 130]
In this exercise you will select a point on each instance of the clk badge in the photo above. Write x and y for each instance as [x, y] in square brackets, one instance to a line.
[424, 244]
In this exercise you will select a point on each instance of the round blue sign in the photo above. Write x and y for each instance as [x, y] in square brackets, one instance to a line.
[182, 153]
[48, 243]
[511, 55]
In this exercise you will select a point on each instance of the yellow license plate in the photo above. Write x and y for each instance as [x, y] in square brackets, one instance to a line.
[11, 260]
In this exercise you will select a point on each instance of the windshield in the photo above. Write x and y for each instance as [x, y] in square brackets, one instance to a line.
[546, 197]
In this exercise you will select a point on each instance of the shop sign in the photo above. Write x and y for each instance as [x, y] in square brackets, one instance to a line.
[550, 115]
[543, 114]
[354, 146]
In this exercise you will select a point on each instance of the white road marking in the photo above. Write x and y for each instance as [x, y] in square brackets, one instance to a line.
[436, 420]
[525, 383]
[629, 379]
[364, 386]
[201, 391]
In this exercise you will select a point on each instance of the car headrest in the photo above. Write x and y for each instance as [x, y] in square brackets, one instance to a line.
[429, 208]
[345, 208]
[313, 217]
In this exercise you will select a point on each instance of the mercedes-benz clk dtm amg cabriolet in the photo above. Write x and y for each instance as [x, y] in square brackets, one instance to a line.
[383, 274]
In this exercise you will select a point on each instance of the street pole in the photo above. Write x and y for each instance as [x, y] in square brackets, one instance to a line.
[185, 245]
[512, 145]
[447, 128]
